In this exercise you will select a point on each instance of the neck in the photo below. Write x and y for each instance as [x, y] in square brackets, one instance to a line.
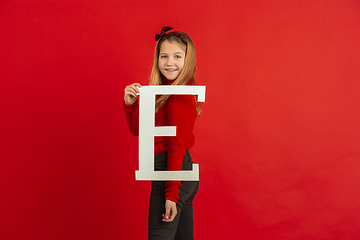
[166, 81]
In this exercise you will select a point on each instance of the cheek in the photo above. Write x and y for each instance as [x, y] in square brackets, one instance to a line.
[182, 64]
[159, 63]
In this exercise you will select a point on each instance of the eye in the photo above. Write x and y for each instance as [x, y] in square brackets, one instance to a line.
[178, 56]
[163, 56]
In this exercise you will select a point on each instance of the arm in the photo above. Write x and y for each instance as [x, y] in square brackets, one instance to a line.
[180, 112]
[131, 107]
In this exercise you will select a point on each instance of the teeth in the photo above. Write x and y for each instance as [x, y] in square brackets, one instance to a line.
[171, 70]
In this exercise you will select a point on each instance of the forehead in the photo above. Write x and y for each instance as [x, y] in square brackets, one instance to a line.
[172, 47]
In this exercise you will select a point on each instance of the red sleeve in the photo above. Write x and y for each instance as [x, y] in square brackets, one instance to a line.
[132, 117]
[180, 112]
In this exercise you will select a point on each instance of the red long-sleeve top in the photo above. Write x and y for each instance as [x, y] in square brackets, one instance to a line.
[179, 111]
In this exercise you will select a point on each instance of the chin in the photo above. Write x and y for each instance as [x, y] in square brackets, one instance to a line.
[172, 78]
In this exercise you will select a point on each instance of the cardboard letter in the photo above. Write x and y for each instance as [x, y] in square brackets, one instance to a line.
[147, 132]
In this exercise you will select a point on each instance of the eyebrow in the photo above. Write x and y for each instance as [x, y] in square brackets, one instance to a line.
[174, 53]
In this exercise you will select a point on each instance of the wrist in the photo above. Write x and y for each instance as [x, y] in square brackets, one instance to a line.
[129, 102]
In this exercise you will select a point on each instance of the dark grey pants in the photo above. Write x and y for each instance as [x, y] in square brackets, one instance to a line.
[182, 228]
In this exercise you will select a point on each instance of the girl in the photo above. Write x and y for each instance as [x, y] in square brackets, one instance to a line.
[170, 207]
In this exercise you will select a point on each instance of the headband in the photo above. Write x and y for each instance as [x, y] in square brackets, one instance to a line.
[163, 33]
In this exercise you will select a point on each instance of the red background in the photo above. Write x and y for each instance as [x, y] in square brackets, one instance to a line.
[277, 142]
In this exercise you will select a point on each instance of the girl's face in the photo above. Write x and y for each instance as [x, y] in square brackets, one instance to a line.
[171, 59]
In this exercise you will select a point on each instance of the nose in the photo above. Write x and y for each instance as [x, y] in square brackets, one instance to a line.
[169, 62]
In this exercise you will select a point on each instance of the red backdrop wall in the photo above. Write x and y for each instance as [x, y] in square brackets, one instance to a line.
[277, 142]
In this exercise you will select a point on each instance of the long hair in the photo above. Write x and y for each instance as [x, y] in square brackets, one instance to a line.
[187, 74]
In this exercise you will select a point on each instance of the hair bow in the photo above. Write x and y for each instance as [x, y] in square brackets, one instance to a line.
[162, 33]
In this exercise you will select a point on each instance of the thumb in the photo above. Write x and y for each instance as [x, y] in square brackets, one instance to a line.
[167, 213]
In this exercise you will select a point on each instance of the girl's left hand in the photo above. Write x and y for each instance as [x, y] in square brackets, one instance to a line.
[170, 211]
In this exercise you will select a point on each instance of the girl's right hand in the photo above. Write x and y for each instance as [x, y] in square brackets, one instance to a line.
[130, 93]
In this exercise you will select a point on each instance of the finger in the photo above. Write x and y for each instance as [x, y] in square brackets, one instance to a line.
[173, 214]
[137, 84]
[136, 90]
[167, 214]
[136, 87]
[130, 98]
[166, 220]
[132, 86]
[131, 91]
[131, 95]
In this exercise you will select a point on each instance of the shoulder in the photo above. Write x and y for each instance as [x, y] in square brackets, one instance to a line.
[181, 103]
[181, 100]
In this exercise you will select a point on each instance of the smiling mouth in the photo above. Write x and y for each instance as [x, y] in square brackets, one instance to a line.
[171, 70]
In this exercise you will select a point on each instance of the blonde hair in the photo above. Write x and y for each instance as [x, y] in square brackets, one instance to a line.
[187, 73]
